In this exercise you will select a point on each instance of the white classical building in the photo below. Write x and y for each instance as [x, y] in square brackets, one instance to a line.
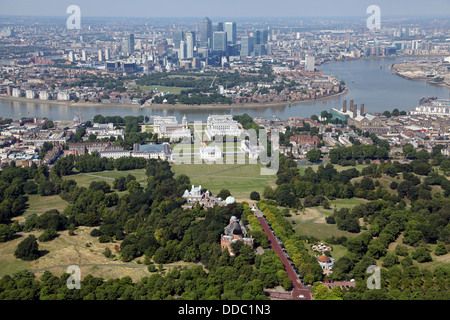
[105, 130]
[210, 153]
[168, 127]
[222, 125]
[195, 194]
[252, 151]
[114, 154]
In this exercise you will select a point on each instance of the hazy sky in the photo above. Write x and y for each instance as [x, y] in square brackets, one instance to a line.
[224, 8]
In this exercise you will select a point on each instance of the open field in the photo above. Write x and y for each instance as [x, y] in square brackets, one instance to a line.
[82, 250]
[85, 179]
[172, 90]
[38, 204]
[311, 222]
[321, 231]
[239, 179]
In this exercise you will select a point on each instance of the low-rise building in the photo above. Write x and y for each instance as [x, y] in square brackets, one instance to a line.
[114, 153]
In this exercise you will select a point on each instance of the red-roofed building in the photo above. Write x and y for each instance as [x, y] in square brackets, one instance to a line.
[304, 139]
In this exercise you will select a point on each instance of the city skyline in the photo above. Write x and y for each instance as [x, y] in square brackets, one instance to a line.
[233, 9]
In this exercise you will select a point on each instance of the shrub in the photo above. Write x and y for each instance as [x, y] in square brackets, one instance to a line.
[28, 249]
[48, 235]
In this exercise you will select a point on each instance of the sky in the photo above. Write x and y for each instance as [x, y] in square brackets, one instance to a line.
[225, 8]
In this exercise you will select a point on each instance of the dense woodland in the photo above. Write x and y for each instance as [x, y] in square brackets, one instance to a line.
[149, 223]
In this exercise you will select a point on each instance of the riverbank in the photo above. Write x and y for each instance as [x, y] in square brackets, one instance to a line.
[173, 106]
[426, 80]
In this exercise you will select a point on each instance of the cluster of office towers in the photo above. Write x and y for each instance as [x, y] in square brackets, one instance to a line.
[219, 38]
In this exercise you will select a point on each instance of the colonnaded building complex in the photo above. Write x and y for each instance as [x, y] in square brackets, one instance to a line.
[222, 125]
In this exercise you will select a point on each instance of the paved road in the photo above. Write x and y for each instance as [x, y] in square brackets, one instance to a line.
[299, 292]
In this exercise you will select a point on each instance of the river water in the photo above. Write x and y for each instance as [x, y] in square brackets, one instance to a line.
[368, 81]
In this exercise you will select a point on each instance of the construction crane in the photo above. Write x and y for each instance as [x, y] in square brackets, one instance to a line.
[212, 83]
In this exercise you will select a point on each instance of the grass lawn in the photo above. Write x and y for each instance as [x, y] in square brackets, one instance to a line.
[321, 231]
[38, 204]
[85, 179]
[172, 90]
[345, 203]
[147, 128]
[80, 249]
[8, 263]
[239, 179]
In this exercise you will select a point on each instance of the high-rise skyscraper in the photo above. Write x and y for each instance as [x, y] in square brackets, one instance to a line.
[230, 29]
[246, 46]
[107, 54]
[310, 62]
[261, 36]
[71, 56]
[129, 44]
[217, 26]
[100, 55]
[205, 32]
[190, 40]
[177, 37]
[220, 41]
[183, 51]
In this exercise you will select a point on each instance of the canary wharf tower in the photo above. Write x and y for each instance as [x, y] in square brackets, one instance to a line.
[205, 32]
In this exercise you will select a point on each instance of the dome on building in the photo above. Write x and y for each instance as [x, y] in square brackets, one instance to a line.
[230, 200]
[324, 258]
[236, 228]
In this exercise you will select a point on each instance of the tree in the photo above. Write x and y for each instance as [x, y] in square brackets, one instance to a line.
[376, 249]
[314, 155]
[48, 235]
[367, 183]
[107, 252]
[28, 249]
[255, 196]
[390, 260]
[445, 166]
[134, 186]
[421, 254]
[120, 184]
[6, 233]
[422, 169]
[223, 194]
[440, 248]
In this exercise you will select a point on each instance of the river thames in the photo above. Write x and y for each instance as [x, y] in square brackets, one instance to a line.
[368, 81]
